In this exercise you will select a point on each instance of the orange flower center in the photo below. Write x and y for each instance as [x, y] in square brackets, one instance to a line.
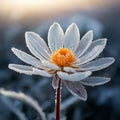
[63, 57]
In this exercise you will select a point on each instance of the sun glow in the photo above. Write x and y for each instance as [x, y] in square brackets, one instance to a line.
[19, 9]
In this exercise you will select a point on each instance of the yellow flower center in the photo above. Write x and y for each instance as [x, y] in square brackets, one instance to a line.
[63, 57]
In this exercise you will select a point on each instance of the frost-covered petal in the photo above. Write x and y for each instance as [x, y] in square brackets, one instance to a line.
[37, 45]
[91, 54]
[97, 64]
[72, 37]
[77, 89]
[93, 81]
[69, 69]
[27, 58]
[41, 72]
[22, 69]
[28, 70]
[97, 42]
[50, 65]
[55, 37]
[73, 77]
[55, 82]
[84, 43]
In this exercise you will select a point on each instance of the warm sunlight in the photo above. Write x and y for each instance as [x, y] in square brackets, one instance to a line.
[18, 9]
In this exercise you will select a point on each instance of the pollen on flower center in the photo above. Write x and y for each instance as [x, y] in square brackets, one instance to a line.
[63, 57]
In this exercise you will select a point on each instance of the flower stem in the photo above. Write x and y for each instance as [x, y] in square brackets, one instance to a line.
[58, 101]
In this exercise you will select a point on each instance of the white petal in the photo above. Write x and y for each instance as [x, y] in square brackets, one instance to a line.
[72, 37]
[41, 72]
[28, 70]
[73, 77]
[55, 37]
[22, 69]
[69, 69]
[97, 42]
[93, 81]
[50, 65]
[34, 52]
[84, 43]
[37, 45]
[91, 54]
[97, 64]
[27, 58]
[77, 89]
[55, 82]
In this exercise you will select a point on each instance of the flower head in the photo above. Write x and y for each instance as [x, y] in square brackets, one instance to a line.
[67, 57]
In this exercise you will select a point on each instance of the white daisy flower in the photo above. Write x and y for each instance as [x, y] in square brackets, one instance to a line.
[68, 58]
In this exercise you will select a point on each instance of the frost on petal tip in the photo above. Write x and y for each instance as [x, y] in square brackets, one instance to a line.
[90, 32]
[88, 35]
[74, 25]
[9, 66]
[13, 48]
[29, 32]
[21, 69]
[56, 24]
[112, 60]
[104, 41]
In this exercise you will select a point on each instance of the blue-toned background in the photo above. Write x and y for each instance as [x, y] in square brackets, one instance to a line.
[19, 16]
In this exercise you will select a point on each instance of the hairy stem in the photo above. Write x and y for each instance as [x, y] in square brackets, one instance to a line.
[58, 101]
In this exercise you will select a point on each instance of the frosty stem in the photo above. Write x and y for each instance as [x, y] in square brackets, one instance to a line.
[58, 101]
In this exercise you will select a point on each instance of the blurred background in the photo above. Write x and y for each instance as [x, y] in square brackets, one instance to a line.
[19, 16]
